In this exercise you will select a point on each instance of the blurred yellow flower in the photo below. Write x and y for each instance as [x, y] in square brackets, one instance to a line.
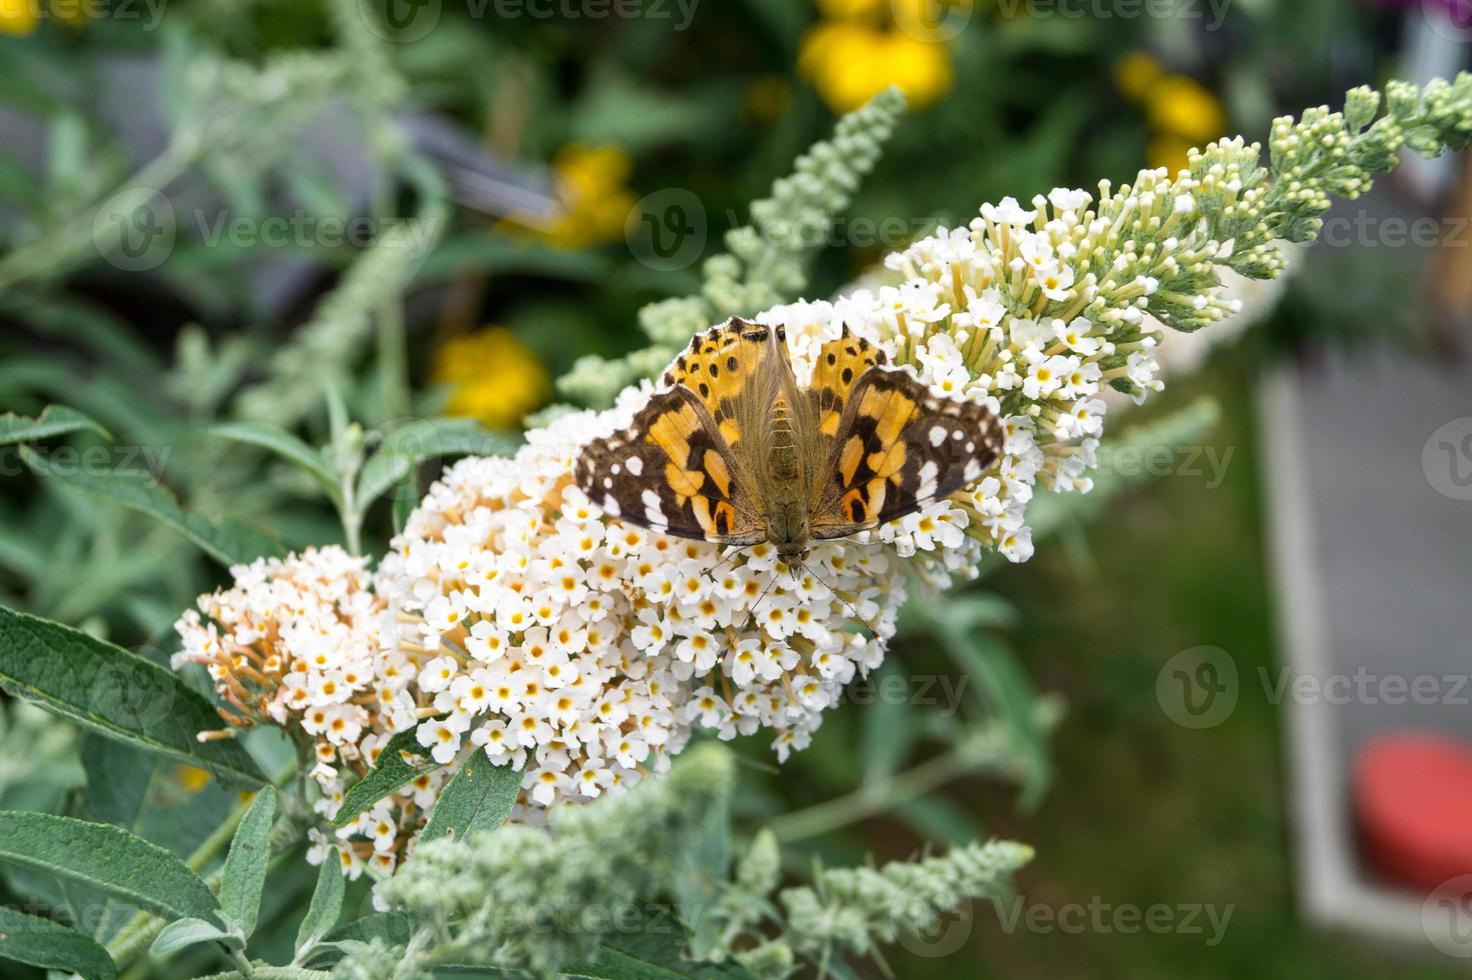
[594, 201]
[191, 779]
[492, 376]
[837, 9]
[1136, 73]
[1168, 152]
[18, 17]
[849, 62]
[1182, 112]
[1183, 107]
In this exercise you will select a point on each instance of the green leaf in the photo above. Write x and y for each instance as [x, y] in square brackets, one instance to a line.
[107, 858]
[478, 797]
[191, 932]
[245, 866]
[326, 906]
[41, 942]
[54, 420]
[115, 693]
[393, 771]
[409, 445]
[394, 928]
[890, 727]
[284, 444]
[230, 542]
[168, 803]
[1004, 688]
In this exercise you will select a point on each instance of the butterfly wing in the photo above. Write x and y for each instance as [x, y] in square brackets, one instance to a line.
[683, 466]
[896, 448]
[671, 471]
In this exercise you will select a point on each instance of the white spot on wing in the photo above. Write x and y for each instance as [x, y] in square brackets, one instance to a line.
[972, 472]
[937, 435]
[653, 509]
[636, 465]
[927, 487]
[610, 506]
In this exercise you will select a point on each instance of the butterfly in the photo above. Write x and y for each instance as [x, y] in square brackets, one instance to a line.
[732, 449]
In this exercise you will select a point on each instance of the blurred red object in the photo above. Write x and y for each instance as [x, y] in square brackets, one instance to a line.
[1413, 807]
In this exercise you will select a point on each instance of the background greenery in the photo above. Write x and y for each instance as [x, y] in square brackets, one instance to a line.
[1120, 803]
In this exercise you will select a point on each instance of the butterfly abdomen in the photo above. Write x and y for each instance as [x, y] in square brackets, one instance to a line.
[785, 483]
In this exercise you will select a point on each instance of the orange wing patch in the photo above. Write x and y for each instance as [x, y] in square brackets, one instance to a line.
[898, 448]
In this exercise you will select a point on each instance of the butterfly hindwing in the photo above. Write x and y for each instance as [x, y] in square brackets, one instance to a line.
[898, 447]
[671, 471]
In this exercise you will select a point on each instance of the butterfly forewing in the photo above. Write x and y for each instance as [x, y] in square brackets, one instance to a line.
[672, 471]
[898, 447]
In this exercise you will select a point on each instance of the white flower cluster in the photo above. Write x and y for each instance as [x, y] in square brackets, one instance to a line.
[586, 649]
[512, 617]
[296, 642]
[1032, 312]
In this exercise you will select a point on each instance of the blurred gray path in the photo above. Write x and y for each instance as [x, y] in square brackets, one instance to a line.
[1369, 498]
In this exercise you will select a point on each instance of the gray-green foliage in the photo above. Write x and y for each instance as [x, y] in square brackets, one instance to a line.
[537, 900]
[765, 262]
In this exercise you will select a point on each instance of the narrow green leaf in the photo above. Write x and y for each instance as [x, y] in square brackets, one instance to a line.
[394, 770]
[245, 866]
[326, 906]
[41, 942]
[409, 445]
[394, 928]
[115, 693]
[1004, 688]
[230, 542]
[478, 797]
[54, 420]
[890, 725]
[191, 932]
[107, 858]
[284, 444]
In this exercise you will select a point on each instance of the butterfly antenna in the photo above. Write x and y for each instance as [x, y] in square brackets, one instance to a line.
[751, 619]
[710, 573]
[835, 593]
